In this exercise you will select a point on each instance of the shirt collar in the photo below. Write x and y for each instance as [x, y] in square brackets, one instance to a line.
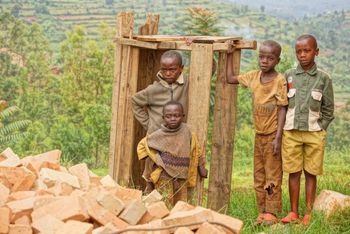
[180, 79]
[312, 71]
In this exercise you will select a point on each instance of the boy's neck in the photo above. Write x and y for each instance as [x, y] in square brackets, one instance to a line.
[308, 68]
[268, 76]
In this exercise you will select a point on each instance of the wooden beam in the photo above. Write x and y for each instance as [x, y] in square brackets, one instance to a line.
[125, 24]
[151, 25]
[199, 96]
[136, 43]
[239, 44]
[223, 137]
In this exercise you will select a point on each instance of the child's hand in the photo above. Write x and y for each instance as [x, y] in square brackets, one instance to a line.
[189, 40]
[276, 144]
[203, 172]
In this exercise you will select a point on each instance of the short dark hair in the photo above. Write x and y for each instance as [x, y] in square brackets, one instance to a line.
[175, 103]
[274, 44]
[172, 54]
[308, 36]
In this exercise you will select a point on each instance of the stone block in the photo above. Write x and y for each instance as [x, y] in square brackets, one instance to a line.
[330, 201]
[133, 212]
[50, 177]
[110, 202]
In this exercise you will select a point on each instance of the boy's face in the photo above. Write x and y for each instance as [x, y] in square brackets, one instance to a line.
[173, 116]
[170, 69]
[268, 58]
[306, 51]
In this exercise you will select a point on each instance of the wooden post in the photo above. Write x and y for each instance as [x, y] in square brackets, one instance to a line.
[124, 85]
[149, 63]
[223, 137]
[199, 97]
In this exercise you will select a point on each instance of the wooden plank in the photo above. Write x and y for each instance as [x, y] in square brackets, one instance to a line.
[149, 64]
[223, 137]
[151, 25]
[121, 89]
[198, 39]
[239, 44]
[199, 95]
[136, 43]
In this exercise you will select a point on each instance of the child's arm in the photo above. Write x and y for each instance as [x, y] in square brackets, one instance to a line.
[327, 105]
[139, 101]
[230, 77]
[281, 118]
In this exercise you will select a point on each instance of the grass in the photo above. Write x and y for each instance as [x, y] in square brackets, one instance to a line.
[336, 177]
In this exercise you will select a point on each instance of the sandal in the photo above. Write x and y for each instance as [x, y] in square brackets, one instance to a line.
[269, 219]
[306, 220]
[290, 218]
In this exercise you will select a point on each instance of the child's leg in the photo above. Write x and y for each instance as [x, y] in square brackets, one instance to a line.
[310, 189]
[180, 190]
[259, 173]
[273, 182]
[294, 189]
[165, 187]
[146, 175]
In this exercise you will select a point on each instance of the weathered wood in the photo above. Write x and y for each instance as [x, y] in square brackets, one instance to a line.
[149, 63]
[151, 25]
[124, 85]
[197, 39]
[223, 137]
[125, 24]
[199, 95]
[239, 44]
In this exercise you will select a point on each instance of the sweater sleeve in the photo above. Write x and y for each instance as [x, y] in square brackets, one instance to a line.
[139, 103]
[327, 106]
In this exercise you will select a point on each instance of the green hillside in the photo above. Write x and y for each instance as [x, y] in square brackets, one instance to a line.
[332, 29]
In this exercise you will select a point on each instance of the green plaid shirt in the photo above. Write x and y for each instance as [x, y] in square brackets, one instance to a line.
[310, 99]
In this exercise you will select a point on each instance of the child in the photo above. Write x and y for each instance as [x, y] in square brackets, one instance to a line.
[269, 101]
[310, 110]
[174, 153]
[171, 85]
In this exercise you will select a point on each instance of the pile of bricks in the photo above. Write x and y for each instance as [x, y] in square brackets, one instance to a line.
[38, 195]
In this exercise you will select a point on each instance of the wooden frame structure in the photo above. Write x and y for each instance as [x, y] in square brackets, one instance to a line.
[136, 64]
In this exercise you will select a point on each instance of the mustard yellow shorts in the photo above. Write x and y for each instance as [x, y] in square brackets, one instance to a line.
[303, 150]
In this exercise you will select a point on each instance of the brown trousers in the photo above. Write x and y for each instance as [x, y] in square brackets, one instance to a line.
[267, 175]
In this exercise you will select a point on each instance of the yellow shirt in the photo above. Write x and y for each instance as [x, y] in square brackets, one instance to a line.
[266, 98]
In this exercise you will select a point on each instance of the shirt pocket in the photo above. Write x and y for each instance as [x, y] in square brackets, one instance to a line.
[291, 98]
[315, 101]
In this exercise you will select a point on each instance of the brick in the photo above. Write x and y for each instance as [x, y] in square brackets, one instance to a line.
[5, 216]
[127, 194]
[10, 159]
[44, 200]
[75, 227]
[9, 154]
[35, 166]
[50, 156]
[184, 230]
[24, 220]
[330, 201]
[153, 224]
[181, 206]
[107, 229]
[21, 195]
[110, 202]
[64, 209]
[102, 215]
[208, 228]
[108, 181]
[47, 224]
[21, 207]
[233, 223]
[154, 196]
[158, 209]
[50, 177]
[81, 171]
[20, 229]
[196, 215]
[61, 189]
[133, 212]
[19, 178]
[26, 182]
[4, 194]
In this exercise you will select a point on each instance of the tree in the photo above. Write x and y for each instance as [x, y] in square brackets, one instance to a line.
[11, 129]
